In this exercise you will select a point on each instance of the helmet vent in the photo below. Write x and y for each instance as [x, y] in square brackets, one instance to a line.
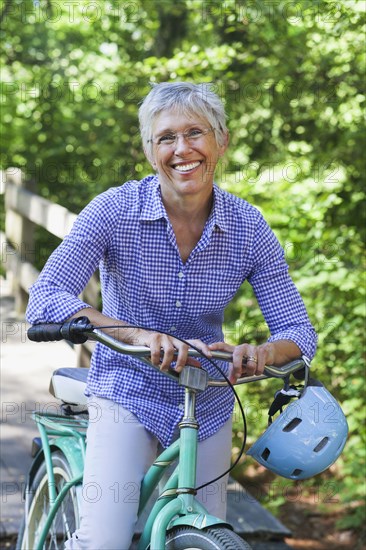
[296, 472]
[292, 425]
[265, 454]
[321, 444]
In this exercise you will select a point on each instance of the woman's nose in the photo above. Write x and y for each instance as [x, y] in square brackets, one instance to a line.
[181, 144]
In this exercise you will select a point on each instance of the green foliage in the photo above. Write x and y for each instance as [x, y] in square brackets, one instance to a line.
[291, 75]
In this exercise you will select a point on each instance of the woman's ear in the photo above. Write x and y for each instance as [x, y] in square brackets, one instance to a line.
[224, 146]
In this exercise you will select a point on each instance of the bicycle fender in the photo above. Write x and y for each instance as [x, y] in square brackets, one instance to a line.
[37, 461]
[199, 521]
[71, 450]
[73, 453]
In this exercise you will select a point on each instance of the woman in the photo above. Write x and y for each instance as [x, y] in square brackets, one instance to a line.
[173, 250]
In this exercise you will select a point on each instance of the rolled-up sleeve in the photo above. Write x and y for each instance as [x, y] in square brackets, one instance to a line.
[55, 295]
[277, 295]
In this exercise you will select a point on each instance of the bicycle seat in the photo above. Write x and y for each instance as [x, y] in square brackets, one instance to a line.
[68, 384]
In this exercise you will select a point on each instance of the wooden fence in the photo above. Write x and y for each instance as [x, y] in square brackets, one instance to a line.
[24, 211]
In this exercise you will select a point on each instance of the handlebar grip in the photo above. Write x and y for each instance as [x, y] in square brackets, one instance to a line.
[74, 331]
[45, 332]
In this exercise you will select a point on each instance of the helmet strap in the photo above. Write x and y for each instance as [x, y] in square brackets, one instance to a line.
[282, 398]
[288, 392]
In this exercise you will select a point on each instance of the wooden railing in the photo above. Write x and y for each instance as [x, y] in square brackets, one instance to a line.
[25, 210]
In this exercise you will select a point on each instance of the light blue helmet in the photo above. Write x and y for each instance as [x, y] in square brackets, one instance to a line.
[307, 437]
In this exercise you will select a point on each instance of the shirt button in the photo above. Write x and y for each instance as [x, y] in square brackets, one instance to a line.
[180, 274]
[181, 406]
[172, 329]
[178, 303]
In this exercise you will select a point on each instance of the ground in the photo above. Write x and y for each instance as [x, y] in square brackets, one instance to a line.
[310, 514]
[313, 530]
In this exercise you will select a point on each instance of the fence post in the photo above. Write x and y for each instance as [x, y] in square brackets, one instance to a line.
[19, 233]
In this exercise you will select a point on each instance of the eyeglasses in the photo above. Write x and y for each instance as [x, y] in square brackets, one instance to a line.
[190, 136]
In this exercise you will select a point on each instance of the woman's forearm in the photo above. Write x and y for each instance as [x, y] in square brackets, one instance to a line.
[124, 333]
[280, 352]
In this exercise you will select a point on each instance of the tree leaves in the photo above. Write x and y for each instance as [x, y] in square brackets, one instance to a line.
[291, 75]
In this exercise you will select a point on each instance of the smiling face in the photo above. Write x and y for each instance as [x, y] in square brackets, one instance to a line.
[185, 167]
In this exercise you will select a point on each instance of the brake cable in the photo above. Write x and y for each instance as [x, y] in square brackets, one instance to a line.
[216, 366]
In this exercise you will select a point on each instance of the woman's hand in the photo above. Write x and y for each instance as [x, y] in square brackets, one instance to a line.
[164, 349]
[247, 359]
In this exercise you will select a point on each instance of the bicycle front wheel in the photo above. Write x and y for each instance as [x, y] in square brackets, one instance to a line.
[38, 507]
[212, 538]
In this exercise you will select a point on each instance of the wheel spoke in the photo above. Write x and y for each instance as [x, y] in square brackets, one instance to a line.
[66, 519]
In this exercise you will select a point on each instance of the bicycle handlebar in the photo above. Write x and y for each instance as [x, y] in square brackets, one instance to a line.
[79, 330]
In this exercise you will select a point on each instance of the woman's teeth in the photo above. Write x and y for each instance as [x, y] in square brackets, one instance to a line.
[186, 167]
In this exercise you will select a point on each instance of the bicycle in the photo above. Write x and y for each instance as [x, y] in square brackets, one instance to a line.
[53, 492]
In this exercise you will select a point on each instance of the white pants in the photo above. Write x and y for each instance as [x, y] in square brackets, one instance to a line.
[119, 452]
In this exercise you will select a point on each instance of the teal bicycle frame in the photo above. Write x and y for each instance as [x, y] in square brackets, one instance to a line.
[68, 435]
[176, 505]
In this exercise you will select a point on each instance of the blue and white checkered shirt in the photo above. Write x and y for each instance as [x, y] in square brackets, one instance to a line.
[127, 232]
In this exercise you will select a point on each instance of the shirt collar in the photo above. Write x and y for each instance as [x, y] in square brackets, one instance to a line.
[153, 208]
[218, 209]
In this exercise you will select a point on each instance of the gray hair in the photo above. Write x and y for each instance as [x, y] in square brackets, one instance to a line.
[187, 98]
